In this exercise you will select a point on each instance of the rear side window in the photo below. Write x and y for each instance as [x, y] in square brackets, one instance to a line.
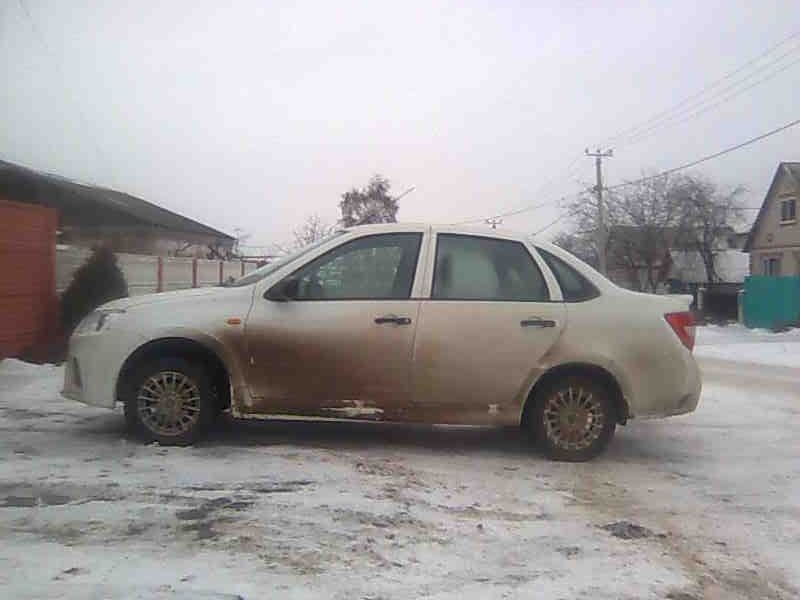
[479, 268]
[574, 286]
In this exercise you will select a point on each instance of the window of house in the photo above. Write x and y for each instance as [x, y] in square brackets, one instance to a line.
[772, 266]
[788, 210]
[478, 268]
[378, 267]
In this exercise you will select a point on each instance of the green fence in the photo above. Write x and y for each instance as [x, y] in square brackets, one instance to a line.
[771, 302]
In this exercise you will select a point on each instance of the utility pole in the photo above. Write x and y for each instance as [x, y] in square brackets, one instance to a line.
[494, 222]
[601, 209]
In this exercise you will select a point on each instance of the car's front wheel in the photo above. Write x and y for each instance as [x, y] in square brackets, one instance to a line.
[574, 418]
[170, 401]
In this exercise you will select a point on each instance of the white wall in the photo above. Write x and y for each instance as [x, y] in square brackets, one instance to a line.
[141, 271]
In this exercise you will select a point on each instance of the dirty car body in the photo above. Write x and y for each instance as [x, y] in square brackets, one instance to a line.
[398, 322]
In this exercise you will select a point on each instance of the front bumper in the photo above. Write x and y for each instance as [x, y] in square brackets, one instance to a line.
[93, 365]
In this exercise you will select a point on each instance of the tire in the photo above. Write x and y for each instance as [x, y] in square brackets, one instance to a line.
[170, 401]
[574, 419]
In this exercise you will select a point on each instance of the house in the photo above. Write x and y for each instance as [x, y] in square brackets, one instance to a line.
[774, 241]
[90, 215]
[688, 274]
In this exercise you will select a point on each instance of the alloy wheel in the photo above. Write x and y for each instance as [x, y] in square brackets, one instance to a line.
[573, 418]
[168, 403]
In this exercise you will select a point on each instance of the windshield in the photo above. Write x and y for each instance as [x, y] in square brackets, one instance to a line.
[279, 262]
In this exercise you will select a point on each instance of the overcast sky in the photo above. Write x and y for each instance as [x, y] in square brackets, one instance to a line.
[255, 114]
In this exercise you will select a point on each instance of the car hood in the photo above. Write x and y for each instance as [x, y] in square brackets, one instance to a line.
[175, 297]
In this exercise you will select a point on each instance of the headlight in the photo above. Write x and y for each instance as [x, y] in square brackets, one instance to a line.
[97, 320]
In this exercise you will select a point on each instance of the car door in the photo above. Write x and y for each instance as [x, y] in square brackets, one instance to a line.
[484, 332]
[341, 346]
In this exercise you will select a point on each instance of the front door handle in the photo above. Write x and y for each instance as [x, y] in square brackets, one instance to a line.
[537, 322]
[392, 319]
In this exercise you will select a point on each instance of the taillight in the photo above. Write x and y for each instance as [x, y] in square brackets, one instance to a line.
[682, 324]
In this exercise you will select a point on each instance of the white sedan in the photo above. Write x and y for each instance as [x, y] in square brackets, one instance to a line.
[402, 323]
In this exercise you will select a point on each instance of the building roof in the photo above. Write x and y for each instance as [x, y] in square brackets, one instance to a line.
[791, 168]
[24, 184]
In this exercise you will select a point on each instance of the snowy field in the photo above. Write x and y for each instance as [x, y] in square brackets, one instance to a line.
[703, 506]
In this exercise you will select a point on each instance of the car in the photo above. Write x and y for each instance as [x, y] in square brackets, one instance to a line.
[397, 322]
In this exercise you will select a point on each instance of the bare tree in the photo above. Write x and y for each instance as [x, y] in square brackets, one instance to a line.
[643, 220]
[710, 215]
[649, 218]
[313, 229]
[579, 245]
[372, 204]
[182, 247]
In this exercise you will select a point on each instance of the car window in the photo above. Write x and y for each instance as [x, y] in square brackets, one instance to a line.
[378, 267]
[574, 286]
[480, 268]
[276, 264]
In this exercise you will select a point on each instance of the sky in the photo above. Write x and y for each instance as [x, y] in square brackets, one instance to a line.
[250, 116]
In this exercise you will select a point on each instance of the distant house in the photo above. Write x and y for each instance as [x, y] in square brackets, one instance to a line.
[90, 215]
[662, 261]
[774, 241]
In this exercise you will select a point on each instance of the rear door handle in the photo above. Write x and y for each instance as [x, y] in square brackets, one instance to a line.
[392, 319]
[537, 322]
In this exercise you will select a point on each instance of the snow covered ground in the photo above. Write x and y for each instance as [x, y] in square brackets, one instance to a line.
[705, 505]
[756, 346]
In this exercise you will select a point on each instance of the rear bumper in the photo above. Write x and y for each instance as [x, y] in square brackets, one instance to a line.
[676, 395]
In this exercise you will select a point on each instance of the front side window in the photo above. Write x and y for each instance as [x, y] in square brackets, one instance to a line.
[272, 267]
[480, 268]
[574, 286]
[378, 267]
[788, 210]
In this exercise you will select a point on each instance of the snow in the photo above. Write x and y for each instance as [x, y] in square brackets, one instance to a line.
[373, 510]
[732, 266]
[756, 346]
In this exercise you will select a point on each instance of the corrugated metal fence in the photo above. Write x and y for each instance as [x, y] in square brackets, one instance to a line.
[28, 306]
[149, 274]
[771, 302]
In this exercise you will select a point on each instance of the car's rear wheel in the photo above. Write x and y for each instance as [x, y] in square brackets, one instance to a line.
[574, 418]
[170, 401]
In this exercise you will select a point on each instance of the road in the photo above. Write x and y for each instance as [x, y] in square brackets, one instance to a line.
[705, 505]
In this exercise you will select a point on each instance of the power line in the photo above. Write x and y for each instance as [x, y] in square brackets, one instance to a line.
[644, 134]
[688, 165]
[708, 157]
[634, 130]
[561, 217]
[558, 177]
[685, 166]
[638, 132]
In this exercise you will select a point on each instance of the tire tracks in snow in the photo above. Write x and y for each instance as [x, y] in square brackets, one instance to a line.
[714, 573]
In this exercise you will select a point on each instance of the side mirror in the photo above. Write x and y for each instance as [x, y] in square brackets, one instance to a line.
[284, 290]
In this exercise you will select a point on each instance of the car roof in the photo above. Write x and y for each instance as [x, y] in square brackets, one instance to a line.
[469, 229]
